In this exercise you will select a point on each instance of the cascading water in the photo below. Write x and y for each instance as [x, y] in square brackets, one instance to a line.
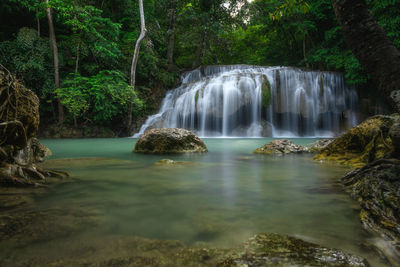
[251, 101]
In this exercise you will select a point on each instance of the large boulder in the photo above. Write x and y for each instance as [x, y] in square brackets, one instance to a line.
[362, 144]
[169, 140]
[281, 146]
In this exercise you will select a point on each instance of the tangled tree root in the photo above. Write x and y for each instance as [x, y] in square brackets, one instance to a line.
[19, 149]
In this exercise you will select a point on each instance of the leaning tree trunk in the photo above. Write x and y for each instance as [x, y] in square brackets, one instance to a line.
[135, 60]
[56, 61]
[371, 46]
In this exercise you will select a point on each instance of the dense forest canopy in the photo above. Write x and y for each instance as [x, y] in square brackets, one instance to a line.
[96, 42]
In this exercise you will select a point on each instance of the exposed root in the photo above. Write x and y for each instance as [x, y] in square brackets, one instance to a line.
[52, 173]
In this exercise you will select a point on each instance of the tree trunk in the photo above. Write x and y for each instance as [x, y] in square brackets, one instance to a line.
[38, 21]
[371, 46]
[135, 60]
[78, 47]
[171, 39]
[199, 50]
[53, 40]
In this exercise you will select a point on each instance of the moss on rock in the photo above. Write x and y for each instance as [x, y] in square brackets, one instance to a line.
[362, 144]
[265, 93]
[377, 188]
[269, 249]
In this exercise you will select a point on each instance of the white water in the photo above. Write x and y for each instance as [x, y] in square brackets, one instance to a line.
[226, 101]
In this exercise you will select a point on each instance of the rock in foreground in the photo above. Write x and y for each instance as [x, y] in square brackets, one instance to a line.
[280, 250]
[262, 250]
[169, 141]
[377, 189]
[364, 143]
[281, 146]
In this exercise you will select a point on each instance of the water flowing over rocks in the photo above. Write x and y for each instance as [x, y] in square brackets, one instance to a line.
[281, 146]
[254, 101]
[169, 140]
[364, 143]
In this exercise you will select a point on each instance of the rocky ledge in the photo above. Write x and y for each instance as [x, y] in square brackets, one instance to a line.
[373, 139]
[280, 147]
[377, 188]
[169, 141]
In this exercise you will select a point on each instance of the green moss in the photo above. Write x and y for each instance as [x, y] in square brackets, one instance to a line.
[265, 93]
[321, 84]
[196, 97]
[362, 144]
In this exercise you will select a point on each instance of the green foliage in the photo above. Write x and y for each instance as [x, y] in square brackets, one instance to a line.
[29, 57]
[102, 97]
[96, 40]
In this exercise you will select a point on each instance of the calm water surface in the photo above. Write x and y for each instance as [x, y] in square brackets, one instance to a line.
[220, 198]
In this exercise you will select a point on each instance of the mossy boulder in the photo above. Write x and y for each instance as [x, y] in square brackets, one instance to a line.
[362, 144]
[268, 249]
[170, 162]
[377, 188]
[280, 147]
[169, 141]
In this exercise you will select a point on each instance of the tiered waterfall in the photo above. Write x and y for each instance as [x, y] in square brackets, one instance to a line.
[252, 101]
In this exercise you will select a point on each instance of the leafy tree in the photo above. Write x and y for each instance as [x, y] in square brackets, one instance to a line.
[103, 97]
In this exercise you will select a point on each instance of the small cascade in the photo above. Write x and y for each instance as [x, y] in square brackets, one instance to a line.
[252, 101]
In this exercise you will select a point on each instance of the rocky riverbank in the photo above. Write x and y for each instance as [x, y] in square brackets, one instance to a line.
[365, 143]
[373, 147]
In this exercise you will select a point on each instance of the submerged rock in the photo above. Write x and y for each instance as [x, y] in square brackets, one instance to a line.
[170, 162]
[362, 144]
[268, 249]
[169, 140]
[262, 250]
[377, 188]
[281, 146]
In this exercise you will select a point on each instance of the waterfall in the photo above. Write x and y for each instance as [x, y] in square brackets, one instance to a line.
[253, 101]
